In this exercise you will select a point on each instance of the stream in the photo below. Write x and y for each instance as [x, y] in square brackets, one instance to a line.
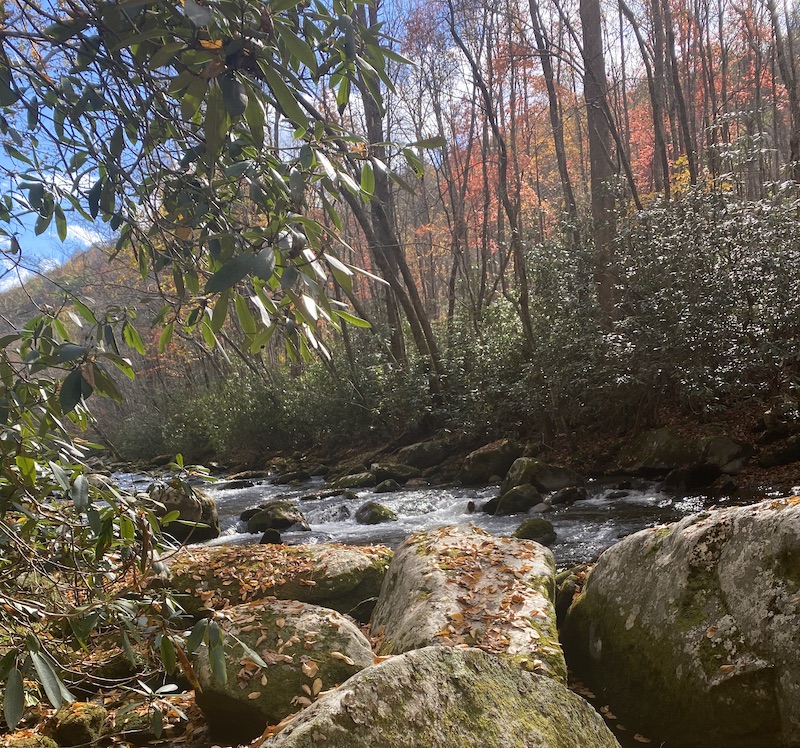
[583, 529]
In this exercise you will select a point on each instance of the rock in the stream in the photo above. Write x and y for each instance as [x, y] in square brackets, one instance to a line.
[373, 513]
[354, 480]
[276, 515]
[460, 585]
[690, 631]
[537, 529]
[441, 697]
[543, 476]
[193, 504]
[303, 649]
[490, 460]
[517, 500]
[393, 471]
[345, 578]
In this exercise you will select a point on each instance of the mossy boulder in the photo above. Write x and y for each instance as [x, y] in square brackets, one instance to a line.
[373, 513]
[662, 450]
[345, 578]
[461, 586]
[302, 649]
[293, 477]
[516, 501]
[488, 461]
[698, 619]
[439, 697]
[537, 529]
[27, 739]
[543, 476]
[355, 480]
[193, 504]
[393, 471]
[276, 515]
[78, 723]
[424, 454]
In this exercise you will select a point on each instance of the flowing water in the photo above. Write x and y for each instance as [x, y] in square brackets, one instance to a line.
[584, 529]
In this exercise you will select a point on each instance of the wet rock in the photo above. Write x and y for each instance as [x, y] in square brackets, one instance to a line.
[545, 506]
[448, 698]
[355, 480]
[492, 459]
[373, 513]
[543, 476]
[569, 495]
[329, 494]
[270, 536]
[460, 585]
[194, 506]
[698, 619]
[516, 501]
[537, 529]
[387, 486]
[301, 649]
[276, 515]
[345, 578]
[236, 485]
[295, 477]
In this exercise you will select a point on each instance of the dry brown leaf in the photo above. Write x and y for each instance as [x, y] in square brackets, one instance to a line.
[254, 695]
[309, 668]
[343, 657]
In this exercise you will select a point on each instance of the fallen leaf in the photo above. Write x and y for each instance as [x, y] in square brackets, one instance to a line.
[309, 668]
[641, 738]
[254, 695]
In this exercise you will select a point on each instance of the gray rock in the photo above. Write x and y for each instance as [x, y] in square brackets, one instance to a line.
[424, 454]
[544, 477]
[460, 585]
[303, 649]
[395, 471]
[447, 698]
[354, 480]
[492, 459]
[387, 486]
[569, 495]
[293, 477]
[698, 619]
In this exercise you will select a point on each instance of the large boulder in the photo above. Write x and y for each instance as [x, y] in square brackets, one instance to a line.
[662, 450]
[543, 476]
[689, 631]
[345, 578]
[537, 529]
[490, 460]
[393, 471]
[373, 513]
[447, 698]
[354, 480]
[194, 506]
[424, 454]
[461, 586]
[292, 652]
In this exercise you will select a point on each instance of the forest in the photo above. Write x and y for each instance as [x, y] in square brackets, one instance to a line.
[343, 226]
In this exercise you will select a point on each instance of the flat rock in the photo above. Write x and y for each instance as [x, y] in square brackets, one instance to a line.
[461, 586]
[345, 578]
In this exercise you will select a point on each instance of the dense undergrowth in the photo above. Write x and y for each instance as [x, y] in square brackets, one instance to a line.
[706, 318]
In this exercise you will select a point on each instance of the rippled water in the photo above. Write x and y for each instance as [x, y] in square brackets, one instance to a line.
[584, 528]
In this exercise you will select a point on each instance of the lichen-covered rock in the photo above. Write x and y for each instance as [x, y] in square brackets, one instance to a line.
[543, 476]
[488, 461]
[27, 739]
[689, 631]
[78, 723]
[440, 697]
[193, 504]
[424, 454]
[345, 578]
[303, 650]
[373, 513]
[537, 529]
[517, 500]
[460, 585]
[276, 515]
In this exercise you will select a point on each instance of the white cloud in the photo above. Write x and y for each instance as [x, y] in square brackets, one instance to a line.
[83, 235]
